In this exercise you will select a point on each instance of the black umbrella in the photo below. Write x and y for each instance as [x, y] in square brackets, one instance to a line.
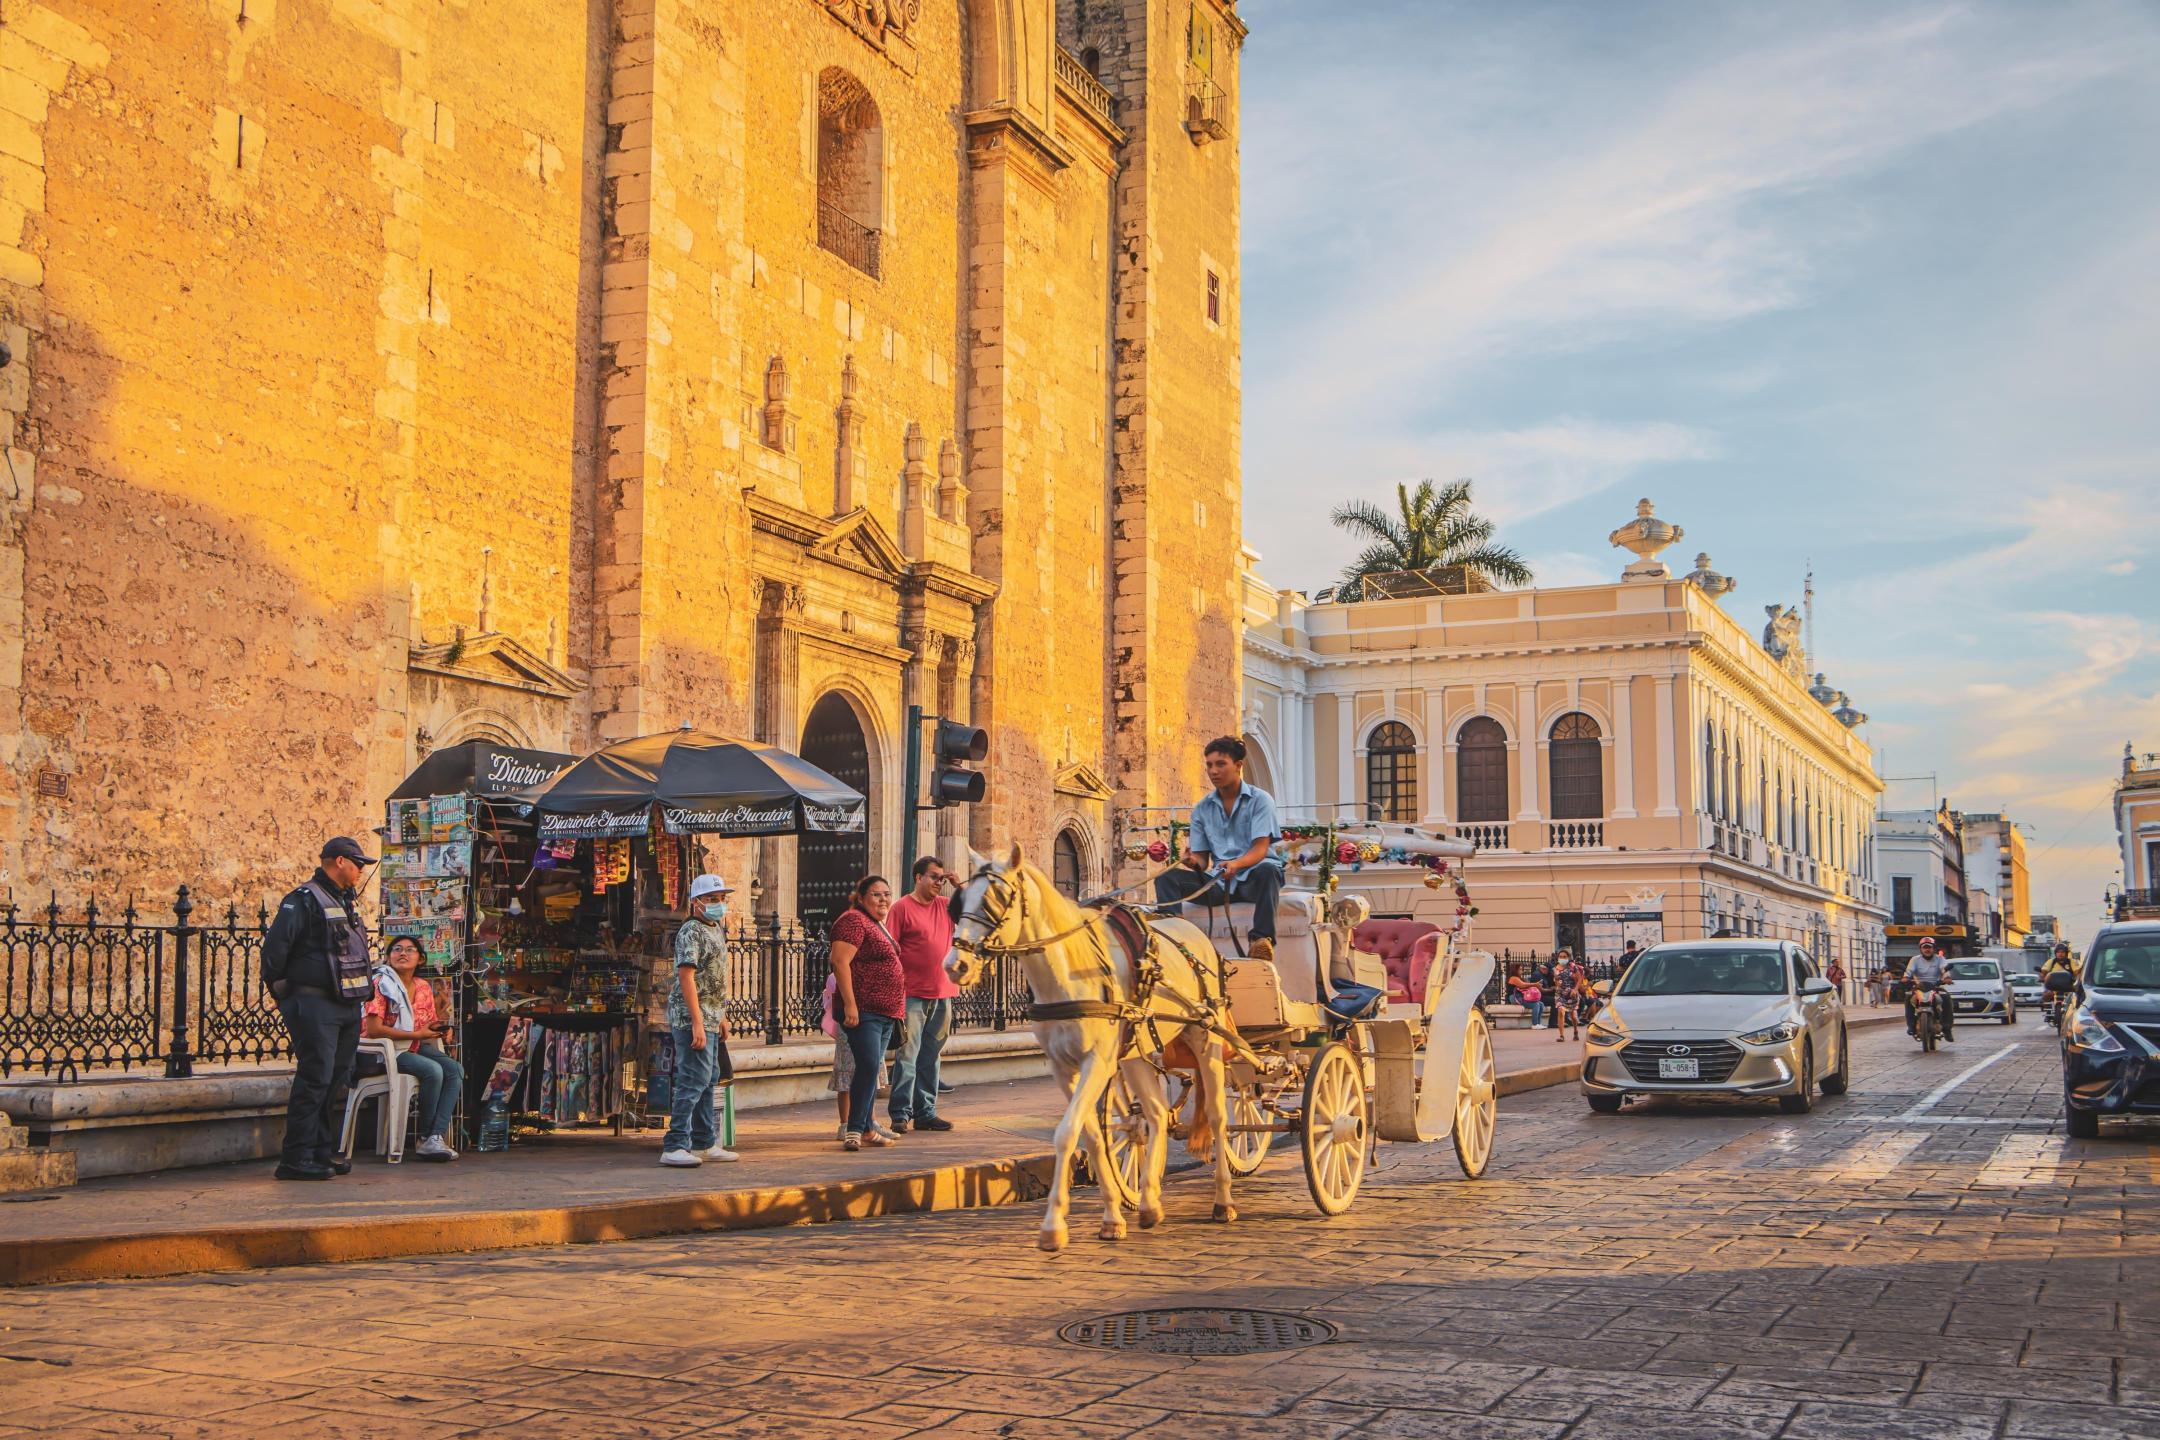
[703, 784]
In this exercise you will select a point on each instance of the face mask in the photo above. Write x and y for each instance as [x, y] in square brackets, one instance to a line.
[715, 911]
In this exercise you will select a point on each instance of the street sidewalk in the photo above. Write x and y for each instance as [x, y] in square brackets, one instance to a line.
[580, 1187]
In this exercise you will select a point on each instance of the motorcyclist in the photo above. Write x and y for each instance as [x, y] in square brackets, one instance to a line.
[1926, 968]
[2059, 963]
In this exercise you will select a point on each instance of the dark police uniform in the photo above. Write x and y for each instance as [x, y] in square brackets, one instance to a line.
[315, 964]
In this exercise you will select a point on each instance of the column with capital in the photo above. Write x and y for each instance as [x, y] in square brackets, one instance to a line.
[1437, 750]
[1623, 712]
[1667, 802]
[1526, 736]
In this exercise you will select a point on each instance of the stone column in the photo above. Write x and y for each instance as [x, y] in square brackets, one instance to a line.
[1624, 747]
[775, 707]
[1667, 804]
[1438, 748]
[1527, 747]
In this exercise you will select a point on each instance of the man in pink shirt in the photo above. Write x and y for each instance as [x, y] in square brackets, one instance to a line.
[922, 927]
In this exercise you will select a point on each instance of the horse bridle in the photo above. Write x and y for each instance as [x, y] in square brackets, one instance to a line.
[992, 878]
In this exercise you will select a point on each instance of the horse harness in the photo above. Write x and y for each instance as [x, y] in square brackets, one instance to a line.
[1138, 1012]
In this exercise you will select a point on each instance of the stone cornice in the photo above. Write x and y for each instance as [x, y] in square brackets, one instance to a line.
[1001, 129]
[937, 579]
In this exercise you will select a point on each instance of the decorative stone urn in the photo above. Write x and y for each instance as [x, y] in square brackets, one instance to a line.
[1707, 580]
[1646, 535]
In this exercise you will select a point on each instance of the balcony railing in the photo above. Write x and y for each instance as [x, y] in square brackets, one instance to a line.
[1485, 834]
[1090, 91]
[1206, 111]
[2130, 902]
[850, 239]
[1575, 835]
[1926, 917]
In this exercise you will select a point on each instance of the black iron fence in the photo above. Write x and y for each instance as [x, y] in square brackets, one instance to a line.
[126, 990]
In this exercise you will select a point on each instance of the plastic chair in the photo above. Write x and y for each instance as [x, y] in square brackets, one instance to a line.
[397, 1093]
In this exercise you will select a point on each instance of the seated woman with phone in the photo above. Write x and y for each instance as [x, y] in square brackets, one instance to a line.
[403, 1008]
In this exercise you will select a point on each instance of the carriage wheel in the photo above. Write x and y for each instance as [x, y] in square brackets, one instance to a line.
[1477, 1099]
[1124, 1127]
[1249, 1148]
[1336, 1135]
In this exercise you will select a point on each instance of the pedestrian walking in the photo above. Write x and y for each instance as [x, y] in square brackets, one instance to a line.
[1548, 986]
[697, 1013]
[403, 1008]
[1878, 988]
[870, 999]
[1629, 953]
[315, 966]
[922, 927]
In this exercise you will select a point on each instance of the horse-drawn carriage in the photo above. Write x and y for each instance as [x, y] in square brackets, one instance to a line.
[1139, 1010]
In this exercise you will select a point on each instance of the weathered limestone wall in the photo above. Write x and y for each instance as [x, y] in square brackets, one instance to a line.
[349, 329]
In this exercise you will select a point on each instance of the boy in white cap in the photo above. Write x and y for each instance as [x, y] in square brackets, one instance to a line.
[697, 1013]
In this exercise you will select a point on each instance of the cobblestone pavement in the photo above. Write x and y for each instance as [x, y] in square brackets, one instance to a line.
[1927, 1257]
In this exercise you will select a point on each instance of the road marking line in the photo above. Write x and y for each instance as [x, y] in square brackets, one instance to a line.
[1935, 1097]
[1874, 1159]
[2022, 1160]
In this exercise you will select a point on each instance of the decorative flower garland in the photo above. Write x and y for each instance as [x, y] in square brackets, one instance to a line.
[1353, 854]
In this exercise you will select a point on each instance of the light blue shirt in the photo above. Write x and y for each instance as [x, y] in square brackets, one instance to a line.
[1223, 835]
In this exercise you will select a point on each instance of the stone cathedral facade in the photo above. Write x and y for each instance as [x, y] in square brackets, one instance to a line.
[391, 373]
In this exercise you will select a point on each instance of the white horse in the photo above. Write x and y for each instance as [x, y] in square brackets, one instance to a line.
[1092, 1018]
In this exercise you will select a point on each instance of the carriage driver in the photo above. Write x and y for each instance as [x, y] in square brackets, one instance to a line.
[1232, 828]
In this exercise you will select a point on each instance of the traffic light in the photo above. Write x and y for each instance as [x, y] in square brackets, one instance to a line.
[953, 748]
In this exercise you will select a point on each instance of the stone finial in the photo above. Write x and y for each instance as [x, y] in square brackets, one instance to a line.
[1645, 536]
[952, 495]
[487, 586]
[1845, 715]
[1823, 693]
[1707, 580]
[847, 381]
[777, 429]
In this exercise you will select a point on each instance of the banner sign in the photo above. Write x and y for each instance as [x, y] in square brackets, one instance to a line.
[509, 772]
[598, 825]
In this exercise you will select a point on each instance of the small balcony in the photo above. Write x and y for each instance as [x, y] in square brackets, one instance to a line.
[1206, 110]
[1485, 834]
[850, 239]
[2137, 904]
[1574, 834]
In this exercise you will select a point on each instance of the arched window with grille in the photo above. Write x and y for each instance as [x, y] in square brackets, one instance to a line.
[850, 172]
[1578, 768]
[1391, 774]
[1481, 779]
[1068, 871]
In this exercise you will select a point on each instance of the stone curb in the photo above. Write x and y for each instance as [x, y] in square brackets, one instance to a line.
[1011, 1181]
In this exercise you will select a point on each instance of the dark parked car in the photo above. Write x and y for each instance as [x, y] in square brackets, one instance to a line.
[2111, 1040]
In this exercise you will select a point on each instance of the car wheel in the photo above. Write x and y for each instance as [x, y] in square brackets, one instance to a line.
[1802, 1100]
[2082, 1124]
[2010, 1015]
[1606, 1104]
[1838, 1081]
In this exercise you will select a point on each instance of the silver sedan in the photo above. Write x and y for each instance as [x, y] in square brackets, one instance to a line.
[1725, 1018]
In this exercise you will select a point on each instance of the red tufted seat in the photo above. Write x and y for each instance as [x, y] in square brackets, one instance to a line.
[1407, 947]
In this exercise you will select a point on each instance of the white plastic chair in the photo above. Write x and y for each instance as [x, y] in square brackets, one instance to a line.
[397, 1093]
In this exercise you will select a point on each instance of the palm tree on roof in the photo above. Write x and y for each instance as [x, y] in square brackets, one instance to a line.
[1435, 535]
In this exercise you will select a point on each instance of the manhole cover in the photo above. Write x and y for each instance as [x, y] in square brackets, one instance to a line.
[1199, 1331]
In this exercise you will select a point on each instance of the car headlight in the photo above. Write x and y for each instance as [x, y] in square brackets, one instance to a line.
[1604, 1034]
[1776, 1034]
[2087, 1033]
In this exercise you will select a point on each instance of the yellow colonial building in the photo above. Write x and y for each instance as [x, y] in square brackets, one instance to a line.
[391, 373]
[1629, 759]
[2137, 829]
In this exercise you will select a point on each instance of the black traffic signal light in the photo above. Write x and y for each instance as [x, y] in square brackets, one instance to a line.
[956, 746]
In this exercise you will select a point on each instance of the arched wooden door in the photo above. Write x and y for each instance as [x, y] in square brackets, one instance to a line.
[827, 866]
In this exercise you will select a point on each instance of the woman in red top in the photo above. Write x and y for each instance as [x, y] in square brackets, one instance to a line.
[870, 997]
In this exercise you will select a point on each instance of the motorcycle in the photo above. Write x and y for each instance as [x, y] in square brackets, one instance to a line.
[1928, 1001]
[2060, 985]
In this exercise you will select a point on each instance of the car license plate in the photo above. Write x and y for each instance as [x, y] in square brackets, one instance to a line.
[1670, 1069]
[1972, 1004]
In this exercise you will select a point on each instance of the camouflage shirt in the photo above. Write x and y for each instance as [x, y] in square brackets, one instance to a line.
[703, 946]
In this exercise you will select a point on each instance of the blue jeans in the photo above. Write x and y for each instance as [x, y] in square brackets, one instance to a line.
[442, 1085]
[692, 1125]
[915, 1070]
[866, 1046]
[1537, 1014]
[1261, 885]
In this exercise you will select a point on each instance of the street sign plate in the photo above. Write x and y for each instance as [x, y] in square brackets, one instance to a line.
[1671, 1069]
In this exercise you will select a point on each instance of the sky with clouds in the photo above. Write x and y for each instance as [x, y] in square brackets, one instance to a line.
[1875, 285]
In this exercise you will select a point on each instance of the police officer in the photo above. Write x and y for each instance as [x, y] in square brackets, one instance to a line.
[315, 965]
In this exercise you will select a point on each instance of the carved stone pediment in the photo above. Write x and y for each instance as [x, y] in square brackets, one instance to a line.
[884, 25]
[859, 542]
[493, 659]
[1082, 780]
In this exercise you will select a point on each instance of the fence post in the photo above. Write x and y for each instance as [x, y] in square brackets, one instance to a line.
[178, 1063]
[769, 971]
[997, 992]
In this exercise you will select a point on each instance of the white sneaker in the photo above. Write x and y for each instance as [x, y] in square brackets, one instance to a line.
[682, 1159]
[434, 1147]
[842, 1135]
[720, 1152]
